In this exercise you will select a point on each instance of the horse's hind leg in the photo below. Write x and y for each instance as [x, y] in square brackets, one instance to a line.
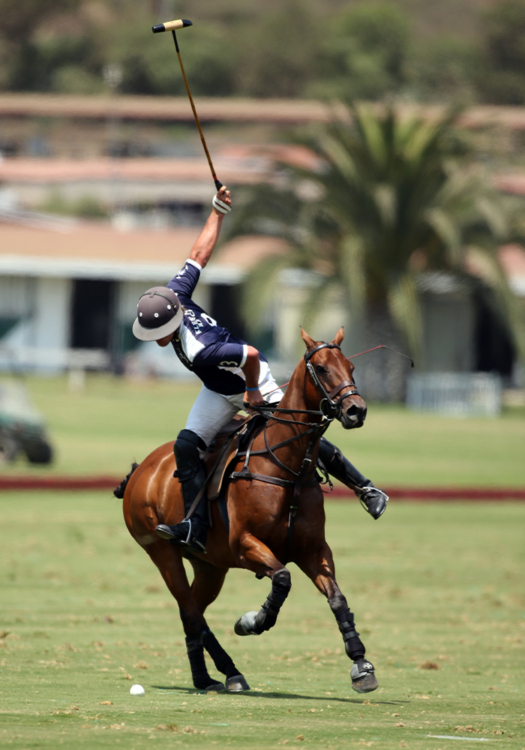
[258, 557]
[206, 587]
[318, 565]
[169, 562]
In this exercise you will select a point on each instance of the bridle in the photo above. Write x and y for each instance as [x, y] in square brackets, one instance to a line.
[330, 408]
[331, 402]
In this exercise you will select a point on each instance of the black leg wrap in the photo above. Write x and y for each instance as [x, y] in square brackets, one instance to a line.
[220, 658]
[354, 647]
[199, 673]
[267, 616]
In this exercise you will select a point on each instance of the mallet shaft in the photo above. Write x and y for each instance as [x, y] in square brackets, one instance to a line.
[218, 183]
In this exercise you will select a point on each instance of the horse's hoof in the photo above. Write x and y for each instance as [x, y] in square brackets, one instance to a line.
[363, 676]
[245, 625]
[236, 684]
[217, 687]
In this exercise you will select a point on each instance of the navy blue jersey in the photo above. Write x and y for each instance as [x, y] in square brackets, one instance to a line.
[203, 346]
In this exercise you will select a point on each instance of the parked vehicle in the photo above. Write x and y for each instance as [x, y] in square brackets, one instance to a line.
[22, 427]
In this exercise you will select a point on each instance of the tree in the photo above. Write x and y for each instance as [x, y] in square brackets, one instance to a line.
[364, 52]
[394, 200]
[19, 53]
[503, 28]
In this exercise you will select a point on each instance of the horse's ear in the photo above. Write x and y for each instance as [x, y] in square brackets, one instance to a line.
[339, 336]
[308, 340]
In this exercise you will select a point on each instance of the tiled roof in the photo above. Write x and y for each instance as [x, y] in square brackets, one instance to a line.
[177, 109]
[90, 249]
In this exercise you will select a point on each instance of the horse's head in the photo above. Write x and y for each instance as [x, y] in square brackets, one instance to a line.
[330, 377]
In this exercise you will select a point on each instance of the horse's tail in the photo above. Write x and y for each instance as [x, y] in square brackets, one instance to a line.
[119, 491]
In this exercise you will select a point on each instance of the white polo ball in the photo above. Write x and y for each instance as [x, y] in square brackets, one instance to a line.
[136, 690]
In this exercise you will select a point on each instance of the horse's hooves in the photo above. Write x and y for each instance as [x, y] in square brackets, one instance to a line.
[363, 677]
[217, 687]
[245, 625]
[236, 684]
[365, 684]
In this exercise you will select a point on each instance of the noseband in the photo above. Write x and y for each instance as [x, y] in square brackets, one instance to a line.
[331, 403]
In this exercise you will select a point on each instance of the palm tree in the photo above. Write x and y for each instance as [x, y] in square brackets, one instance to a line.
[391, 201]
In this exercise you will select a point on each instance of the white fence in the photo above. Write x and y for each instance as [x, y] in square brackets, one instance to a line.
[455, 394]
[42, 359]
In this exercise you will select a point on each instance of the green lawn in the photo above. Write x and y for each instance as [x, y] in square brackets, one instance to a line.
[438, 596]
[114, 422]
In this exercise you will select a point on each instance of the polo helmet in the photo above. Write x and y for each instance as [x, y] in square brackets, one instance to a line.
[159, 313]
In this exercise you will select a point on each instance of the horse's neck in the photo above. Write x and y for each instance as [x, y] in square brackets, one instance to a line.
[295, 396]
[289, 424]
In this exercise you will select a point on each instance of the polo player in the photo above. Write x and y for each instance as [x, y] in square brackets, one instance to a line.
[231, 371]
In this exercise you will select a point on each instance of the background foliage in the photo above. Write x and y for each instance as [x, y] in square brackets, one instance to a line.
[426, 50]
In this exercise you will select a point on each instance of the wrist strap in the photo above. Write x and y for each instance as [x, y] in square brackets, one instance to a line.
[253, 389]
[220, 205]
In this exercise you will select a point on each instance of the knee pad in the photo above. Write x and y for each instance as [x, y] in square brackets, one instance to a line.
[187, 454]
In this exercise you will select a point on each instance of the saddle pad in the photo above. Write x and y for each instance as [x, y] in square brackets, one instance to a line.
[215, 484]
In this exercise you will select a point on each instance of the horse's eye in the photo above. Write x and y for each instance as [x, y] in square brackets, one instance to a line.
[320, 370]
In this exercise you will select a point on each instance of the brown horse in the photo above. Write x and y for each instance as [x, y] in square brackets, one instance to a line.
[276, 515]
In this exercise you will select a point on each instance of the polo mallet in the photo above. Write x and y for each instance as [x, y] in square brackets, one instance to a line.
[172, 26]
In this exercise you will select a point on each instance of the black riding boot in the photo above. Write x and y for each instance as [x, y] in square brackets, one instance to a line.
[372, 499]
[191, 473]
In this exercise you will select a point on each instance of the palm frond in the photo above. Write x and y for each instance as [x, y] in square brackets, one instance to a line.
[260, 284]
[403, 302]
[353, 275]
[317, 299]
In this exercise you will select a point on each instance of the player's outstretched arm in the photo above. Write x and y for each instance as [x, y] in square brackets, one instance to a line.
[205, 244]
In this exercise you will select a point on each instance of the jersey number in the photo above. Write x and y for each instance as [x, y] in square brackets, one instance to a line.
[208, 319]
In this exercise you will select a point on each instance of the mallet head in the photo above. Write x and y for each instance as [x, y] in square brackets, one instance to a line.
[171, 26]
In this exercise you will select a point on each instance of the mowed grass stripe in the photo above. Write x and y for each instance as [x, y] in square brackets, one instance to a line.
[437, 592]
[116, 421]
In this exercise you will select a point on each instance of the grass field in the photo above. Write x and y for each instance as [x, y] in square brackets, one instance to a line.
[437, 591]
[114, 421]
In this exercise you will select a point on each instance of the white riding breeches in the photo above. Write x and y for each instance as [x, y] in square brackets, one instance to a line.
[212, 411]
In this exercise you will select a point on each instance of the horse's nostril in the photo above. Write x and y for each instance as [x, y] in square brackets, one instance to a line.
[356, 413]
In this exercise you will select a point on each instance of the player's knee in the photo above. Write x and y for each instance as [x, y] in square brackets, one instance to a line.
[188, 447]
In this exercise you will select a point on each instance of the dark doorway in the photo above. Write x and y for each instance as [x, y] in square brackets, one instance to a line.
[225, 307]
[92, 314]
[494, 349]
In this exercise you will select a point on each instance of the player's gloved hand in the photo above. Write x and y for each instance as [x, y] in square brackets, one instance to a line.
[222, 202]
[253, 398]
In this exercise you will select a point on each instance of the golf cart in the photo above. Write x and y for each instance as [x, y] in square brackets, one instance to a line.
[22, 428]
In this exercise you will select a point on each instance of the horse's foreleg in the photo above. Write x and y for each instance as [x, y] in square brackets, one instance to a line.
[319, 566]
[256, 556]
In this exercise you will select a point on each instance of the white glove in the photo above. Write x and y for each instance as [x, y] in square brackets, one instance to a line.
[220, 205]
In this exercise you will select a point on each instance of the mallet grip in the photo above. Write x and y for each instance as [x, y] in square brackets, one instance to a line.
[171, 26]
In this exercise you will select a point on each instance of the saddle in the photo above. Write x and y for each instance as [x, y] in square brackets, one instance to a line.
[222, 451]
